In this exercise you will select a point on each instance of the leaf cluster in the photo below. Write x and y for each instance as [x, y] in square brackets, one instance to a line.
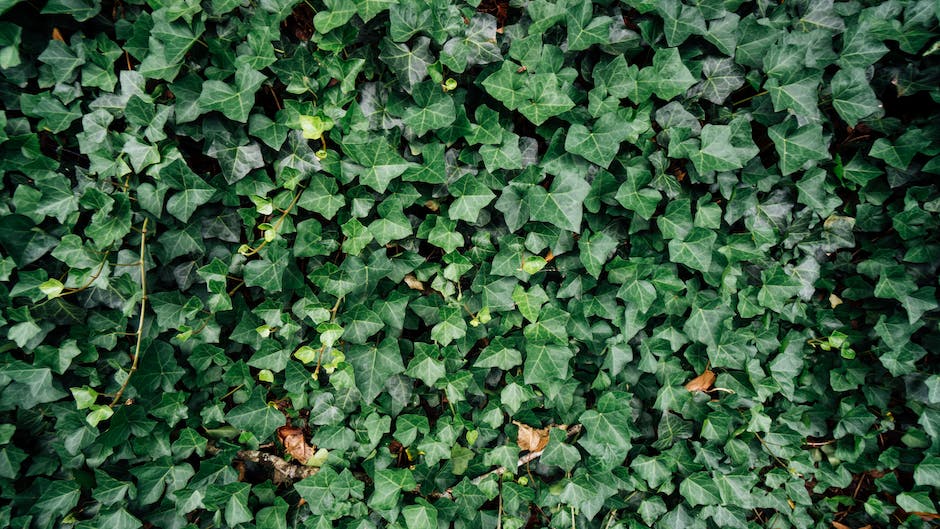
[688, 249]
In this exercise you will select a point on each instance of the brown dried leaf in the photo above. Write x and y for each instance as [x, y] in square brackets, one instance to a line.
[432, 205]
[534, 439]
[702, 382]
[57, 35]
[413, 282]
[294, 443]
[837, 525]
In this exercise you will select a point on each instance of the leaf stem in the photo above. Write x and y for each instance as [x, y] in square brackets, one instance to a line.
[140, 321]
[94, 277]
[277, 225]
[746, 99]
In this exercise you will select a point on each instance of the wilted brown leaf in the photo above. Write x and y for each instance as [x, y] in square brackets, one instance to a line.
[534, 439]
[57, 35]
[837, 525]
[294, 443]
[413, 282]
[702, 382]
[432, 205]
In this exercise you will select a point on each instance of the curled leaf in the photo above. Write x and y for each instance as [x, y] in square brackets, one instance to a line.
[702, 382]
[294, 443]
[413, 282]
[534, 439]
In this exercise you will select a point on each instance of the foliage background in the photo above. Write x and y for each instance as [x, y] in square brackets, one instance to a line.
[406, 224]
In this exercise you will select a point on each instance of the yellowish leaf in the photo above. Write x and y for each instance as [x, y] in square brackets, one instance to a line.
[413, 282]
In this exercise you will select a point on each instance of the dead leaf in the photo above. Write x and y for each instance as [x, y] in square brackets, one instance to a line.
[834, 300]
[413, 282]
[294, 443]
[57, 35]
[702, 382]
[837, 525]
[432, 205]
[534, 439]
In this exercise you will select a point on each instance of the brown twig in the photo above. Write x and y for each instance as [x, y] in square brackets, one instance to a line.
[140, 321]
[284, 471]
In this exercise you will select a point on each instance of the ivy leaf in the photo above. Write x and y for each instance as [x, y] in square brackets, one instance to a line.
[695, 250]
[601, 143]
[546, 364]
[410, 64]
[451, 327]
[235, 160]
[56, 117]
[421, 515]
[798, 97]
[562, 204]
[558, 453]
[900, 153]
[499, 354]
[584, 29]
[472, 196]
[721, 78]
[608, 429]
[322, 196]
[476, 46]
[433, 109]
[700, 489]
[797, 145]
[596, 250]
[634, 194]
[680, 21]
[58, 499]
[777, 289]
[336, 14]
[668, 77]
[547, 99]
[381, 163]
[256, 416]
[389, 484]
[234, 102]
[508, 85]
[374, 365]
[192, 190]
[724, 147]
[852, 96]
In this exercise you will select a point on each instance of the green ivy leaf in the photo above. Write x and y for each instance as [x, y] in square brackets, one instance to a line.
[256, 416]
[374, 365]
[562, 204]
[797, 145]
[234, 102]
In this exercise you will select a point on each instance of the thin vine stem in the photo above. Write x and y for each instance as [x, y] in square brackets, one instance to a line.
[140, 320]
[277, 226]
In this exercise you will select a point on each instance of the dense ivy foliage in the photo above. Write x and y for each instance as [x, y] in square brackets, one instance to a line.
[697, 239]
